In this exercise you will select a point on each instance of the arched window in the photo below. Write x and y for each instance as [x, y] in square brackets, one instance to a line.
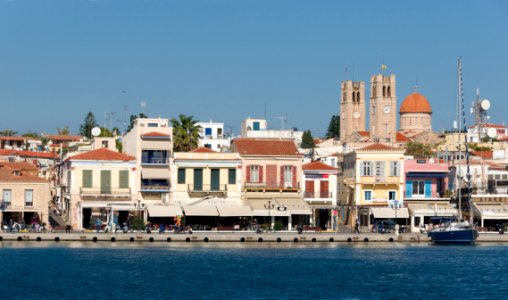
[357, 96]
[353, 95]
[344, 97]
[384, 91]
[373, 91]
[389, 92]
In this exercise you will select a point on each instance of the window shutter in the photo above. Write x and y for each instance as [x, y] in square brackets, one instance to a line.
[281, 183]
[409, 189]
[362, 168]
[398, 166]
[124, 179]
[247, 174]
[382, 168]
[260, 174]
[87, 179]
[428, 188]
[294, 177]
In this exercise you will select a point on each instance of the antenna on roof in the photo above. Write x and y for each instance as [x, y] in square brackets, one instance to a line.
[416, 85]
[283, 120]
[143, 106]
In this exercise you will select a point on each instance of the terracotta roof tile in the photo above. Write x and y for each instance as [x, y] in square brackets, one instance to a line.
[13, 138]
[203, 150]
[317, 166]
[364, 133]
[7, 174]
[378, 147]
[269, 147]
[490, 126]
[7, 152]
[155, 134]
[102, 154]
[50, 155]
[483, 154]
[69, 138]
[415, 103]
[401, 138]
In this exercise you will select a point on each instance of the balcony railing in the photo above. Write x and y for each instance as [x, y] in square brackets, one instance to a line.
[207, 189]
[155, 188]
[94, 193]
[271, 187]
[318, 195]
[155, 160]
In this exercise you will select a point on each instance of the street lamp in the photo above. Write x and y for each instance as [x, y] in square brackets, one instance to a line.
[396, 206]
[270, 206]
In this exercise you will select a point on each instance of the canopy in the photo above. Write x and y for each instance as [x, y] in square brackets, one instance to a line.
[493, 212]
[201, 210]
[164, 211]
[432, 210]
[389, 213]
[281, 207]
[155, 173]
[234, 211]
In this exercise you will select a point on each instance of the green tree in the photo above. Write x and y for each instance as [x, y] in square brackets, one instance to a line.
[44, 141]
[185, 133]
[419, 150]
[31, 134]
[133, 118]
[333, 131]
[307, 140]
[90, 122]
[8, 132]
[63, 131]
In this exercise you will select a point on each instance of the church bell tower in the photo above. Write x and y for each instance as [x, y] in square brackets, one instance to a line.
[352, 109]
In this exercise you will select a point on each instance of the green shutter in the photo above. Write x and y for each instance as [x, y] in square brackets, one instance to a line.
[181, 176]
[198, 179]
[232, 176]
[215, 179]
[124, 179]
[105, 182]
[87, 178]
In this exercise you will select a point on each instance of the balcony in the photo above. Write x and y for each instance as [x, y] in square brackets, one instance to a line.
[155, 188]
[155, 161]
[220, 190]
[271, 188]
[318, 195]
[110, 194]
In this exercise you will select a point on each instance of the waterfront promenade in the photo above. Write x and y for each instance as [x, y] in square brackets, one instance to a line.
[238, 237]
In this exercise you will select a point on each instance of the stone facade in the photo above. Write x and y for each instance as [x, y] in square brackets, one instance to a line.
[383, 108]
[352, 109]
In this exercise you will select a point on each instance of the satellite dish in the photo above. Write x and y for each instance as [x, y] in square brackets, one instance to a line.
[96, 131]
[485, 104]
[492, 133]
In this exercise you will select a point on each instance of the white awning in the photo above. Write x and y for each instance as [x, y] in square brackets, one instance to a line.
[432, 210]
[292, 207]
[493, 212]
[164, 210]
[389, 213]
[155, 173]
[201, 210]
[234, 211]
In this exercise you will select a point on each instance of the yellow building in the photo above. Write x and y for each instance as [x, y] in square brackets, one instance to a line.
[371, 185]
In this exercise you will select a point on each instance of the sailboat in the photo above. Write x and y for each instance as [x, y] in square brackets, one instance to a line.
[452, 230]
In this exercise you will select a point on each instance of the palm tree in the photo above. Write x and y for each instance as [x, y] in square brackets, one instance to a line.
[185, 133]
[8, 132]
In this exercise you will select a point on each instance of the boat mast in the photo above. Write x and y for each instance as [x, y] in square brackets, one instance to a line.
[459, 127]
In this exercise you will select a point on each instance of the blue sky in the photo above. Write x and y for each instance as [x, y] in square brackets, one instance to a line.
[223, 60]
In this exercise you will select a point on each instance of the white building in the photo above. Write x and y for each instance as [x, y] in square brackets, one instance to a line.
[212, 136]
[258, 128]
[476, 133]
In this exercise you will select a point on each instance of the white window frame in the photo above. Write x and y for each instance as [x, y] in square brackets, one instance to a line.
[392, 191]
[422, 195]
[26, 198]
[288, 176]
[395, 168]
[366, 166]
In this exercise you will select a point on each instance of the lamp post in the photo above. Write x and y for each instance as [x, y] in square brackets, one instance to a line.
[396, 206]
[269, 206]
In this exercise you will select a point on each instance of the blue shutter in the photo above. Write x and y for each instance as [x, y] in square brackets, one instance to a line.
[428, 188]
[409, 189]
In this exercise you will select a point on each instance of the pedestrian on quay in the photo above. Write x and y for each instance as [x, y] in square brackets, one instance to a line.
[357, 227]
[98, 224]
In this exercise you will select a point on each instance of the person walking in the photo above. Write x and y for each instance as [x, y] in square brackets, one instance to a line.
[357, 227]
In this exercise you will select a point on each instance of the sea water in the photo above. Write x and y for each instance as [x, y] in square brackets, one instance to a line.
[31, 270]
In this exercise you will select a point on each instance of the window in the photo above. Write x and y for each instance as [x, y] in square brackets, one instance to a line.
[288, 176]
[255, 126]
[87, 178]
[418, 187]
[105, 144]
[231, 176]
[208, 131]
[392, 195]
[366, 168]
[124, 179]
[152, 125]
[254, 173]
[394, 168]
[29, 197]
[380, 168]
[7, 197]
[384, 91]
[367, 195]
[181, 176]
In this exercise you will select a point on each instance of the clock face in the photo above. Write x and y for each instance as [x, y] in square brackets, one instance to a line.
[386, 109]
[356, 114]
